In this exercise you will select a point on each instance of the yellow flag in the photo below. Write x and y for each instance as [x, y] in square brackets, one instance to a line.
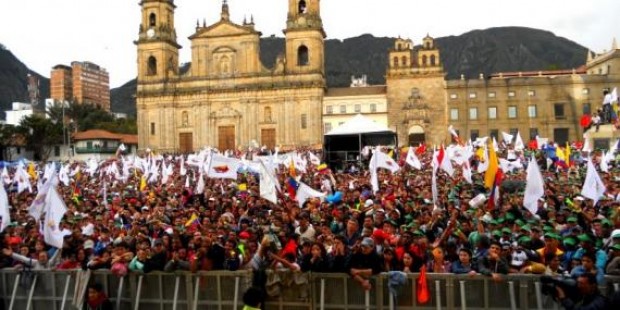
[567, 154]
[142, 183]
[489, 175]
[480, 154]
[31, 171]
[560, 154]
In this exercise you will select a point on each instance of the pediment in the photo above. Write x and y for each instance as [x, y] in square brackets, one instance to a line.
[223, 28]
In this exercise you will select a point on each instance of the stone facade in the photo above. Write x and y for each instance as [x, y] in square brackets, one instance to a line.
[545, 103]
[228, 99]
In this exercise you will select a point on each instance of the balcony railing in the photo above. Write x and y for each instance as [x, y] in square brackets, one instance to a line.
[95, 150]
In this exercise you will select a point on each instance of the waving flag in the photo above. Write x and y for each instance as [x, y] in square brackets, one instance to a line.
[507, 137]
[268, 184]
[534, 187]
[55, 210]
[489, 176]
[593, 187]
[441, 160]
[223, 167]
[305, 192]
[519, 146]
[5, 214]
[413, 160]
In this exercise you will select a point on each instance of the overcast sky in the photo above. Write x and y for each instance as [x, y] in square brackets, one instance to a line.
[43, 33]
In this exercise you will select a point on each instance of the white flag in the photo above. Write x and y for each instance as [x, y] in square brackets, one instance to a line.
[223, 167]
[54, 212]
[519, 146]
[495, 145]
[187, 181]
[614, 95]
[5, 176]
[442, 160]
[534, 188]
[305, 192]
[382, 160]
[267, 184]
[5, 214]
[315, 160]
[434, 191]
[39, 203]
[593, 186]
[507, 137]
[541, 142]
[182, 170]
[586, 144]
[200, 187]
[413, 160]
[604, 165]
[467, 173]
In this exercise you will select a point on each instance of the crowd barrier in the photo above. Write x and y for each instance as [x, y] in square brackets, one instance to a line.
[59, 290]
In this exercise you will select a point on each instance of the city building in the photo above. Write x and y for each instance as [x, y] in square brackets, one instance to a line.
[102, 144]
[83, 82]
[340, 104]
[19, 111]
[540, 103]
[229, 98]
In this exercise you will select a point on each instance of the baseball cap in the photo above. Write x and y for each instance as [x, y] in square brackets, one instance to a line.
[367, 242]
[615, 233]
[89, 244]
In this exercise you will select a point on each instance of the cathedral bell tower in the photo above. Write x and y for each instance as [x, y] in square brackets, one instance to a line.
[158, 51]
[305, 47]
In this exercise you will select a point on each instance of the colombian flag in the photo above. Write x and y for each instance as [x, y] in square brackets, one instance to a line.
[291, 187]
[489, 176]
[322, 168]
[193, 221]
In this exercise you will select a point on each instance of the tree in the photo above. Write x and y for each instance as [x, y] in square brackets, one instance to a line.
[7, 139]
[40, 135]
[84, 116]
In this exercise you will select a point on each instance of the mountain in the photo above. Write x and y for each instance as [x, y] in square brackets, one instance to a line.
[479, 51]
[14, 81]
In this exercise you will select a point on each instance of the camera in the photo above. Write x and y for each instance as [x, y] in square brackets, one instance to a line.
[550, 285]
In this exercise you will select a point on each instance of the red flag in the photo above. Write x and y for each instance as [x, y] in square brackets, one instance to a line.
[422, 287]
[421, 149]
[533, 144]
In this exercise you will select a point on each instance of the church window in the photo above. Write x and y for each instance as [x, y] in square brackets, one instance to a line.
[302, 7]
[433, 60]
[395, 61]
[373, 107]
[152, 66]
[302, 56]
[304, 121]
[152, 20]
[427, 45]
[267, 114]
[152, 129]
[424, 60]
[404, 61]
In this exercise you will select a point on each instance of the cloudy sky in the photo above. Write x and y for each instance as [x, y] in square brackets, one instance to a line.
[43, 33]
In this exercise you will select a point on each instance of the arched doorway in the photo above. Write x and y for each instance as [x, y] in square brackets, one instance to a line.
[416, 135]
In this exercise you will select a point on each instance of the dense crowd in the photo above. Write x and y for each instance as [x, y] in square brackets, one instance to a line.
[129, 226]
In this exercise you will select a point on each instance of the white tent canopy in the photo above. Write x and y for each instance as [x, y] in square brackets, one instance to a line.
[359, 124]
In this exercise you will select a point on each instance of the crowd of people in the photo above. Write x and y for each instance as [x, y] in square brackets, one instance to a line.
[126, 225]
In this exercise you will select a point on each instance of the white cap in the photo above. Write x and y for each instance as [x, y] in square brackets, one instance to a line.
[615, 233]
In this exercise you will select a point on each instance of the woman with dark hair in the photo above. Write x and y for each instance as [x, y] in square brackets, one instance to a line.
[390, 262]
[464, 265]
[408, 265]
[316, 260]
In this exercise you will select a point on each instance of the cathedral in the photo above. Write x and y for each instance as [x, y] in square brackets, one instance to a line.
[228, 98]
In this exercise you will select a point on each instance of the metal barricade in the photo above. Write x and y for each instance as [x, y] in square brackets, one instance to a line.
[223, 290]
